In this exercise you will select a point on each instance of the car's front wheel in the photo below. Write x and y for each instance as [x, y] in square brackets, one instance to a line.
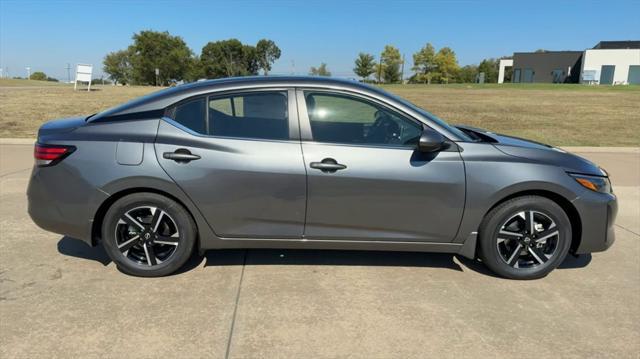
[148, 235]
[525, 237]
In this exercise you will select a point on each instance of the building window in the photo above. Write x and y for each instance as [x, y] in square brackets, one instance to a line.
[528, 75]
[634, 75]
[516, 75]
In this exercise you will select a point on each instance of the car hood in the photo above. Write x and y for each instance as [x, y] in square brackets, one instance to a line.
[536, 151]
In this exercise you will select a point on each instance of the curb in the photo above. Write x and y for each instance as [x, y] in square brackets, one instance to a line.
[577, 149]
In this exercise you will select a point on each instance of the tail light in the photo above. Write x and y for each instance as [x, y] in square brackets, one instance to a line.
[49, 155]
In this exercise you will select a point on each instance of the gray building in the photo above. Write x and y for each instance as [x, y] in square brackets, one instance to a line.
[547, 66]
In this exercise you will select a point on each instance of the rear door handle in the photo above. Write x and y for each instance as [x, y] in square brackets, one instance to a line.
[181, 155]
[327, 165]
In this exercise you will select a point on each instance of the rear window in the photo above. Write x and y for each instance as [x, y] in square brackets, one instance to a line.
[256, 115]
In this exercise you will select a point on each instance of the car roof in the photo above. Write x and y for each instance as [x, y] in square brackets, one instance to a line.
[161, 99]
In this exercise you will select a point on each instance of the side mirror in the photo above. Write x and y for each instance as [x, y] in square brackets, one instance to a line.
[430, 141]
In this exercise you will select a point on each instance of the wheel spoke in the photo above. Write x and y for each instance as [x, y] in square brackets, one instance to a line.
[530, 225]
[131, 221]
[504, 235]
[543, 236]
[150, 254]
[167, 240]
[123, 247]
[513, 259]
[538, 254]
[157, 216]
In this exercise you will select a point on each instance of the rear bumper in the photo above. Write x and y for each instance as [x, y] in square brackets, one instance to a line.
[597, 213]
[58, 203]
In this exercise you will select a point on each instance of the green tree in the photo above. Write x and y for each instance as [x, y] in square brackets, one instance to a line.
[379, 72]
[267, 53]
[250, 61]
[446, 64]
[195, 70]
[321, 70]
[424, 63]
[365, 65]
[118, 66]
[153, 50]
[228, 58]
[490, 68]
[38, 76]
[391, 60]
[467, 74]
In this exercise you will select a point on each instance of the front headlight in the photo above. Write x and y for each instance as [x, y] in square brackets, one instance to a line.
[594, 183]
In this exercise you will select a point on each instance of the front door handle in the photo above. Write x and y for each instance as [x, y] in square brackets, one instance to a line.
[181, 155]
[327, 165]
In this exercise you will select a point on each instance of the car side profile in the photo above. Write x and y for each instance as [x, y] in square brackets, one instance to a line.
[310, 163]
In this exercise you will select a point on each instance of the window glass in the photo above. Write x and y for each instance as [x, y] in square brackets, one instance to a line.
[338, 118]
[191, 115]
[516, 75]
[250, 115]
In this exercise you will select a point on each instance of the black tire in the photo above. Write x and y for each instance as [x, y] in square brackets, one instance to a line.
[523, 255]
[175, 232]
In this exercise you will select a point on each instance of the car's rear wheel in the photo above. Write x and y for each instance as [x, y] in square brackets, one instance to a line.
[148, 235]
[525, 237]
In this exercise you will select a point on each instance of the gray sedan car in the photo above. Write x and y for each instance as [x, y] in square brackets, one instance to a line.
[317, 163]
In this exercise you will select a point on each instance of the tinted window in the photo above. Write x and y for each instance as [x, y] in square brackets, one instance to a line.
[191, 115]
[516, 75]
[251, 115]
[339, 118]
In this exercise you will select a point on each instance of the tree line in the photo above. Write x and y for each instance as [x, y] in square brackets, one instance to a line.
[429, 66]
[175, 61]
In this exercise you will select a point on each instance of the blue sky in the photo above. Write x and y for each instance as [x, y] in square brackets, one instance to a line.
[46, 35]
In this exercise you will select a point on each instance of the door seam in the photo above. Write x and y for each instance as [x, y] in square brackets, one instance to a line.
[304, 165]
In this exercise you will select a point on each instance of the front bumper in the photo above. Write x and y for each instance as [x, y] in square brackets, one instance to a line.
[597, 215]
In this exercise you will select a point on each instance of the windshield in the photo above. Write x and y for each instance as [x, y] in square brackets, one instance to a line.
[434, 118]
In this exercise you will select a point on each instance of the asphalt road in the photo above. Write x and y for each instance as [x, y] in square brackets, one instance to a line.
[60, 298]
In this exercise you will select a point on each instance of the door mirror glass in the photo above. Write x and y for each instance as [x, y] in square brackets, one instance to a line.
[431, 141]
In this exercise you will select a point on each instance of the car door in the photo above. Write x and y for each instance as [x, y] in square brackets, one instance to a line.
[366, 181]
[238, 157]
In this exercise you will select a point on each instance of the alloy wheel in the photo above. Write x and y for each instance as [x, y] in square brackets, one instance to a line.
[528, 239]
[147, 235]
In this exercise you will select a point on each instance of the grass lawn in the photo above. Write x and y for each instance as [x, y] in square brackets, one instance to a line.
[567, 115]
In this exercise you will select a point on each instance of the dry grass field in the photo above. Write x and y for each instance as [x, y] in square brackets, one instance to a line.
[568, 115]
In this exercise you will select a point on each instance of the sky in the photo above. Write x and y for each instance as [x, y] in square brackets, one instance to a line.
[47, 35]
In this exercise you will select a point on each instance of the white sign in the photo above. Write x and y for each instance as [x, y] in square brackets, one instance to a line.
[83, 74]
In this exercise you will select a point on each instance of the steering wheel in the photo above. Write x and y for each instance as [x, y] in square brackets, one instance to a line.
[384, 129]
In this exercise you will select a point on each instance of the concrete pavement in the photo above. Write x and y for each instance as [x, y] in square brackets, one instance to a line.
[61, 298]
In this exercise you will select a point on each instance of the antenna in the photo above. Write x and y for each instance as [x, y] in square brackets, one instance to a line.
[293, 67]
[68, 72]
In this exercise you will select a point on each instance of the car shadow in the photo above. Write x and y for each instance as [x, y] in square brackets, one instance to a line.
[76, 248]
[572, 262]
[256, 257]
